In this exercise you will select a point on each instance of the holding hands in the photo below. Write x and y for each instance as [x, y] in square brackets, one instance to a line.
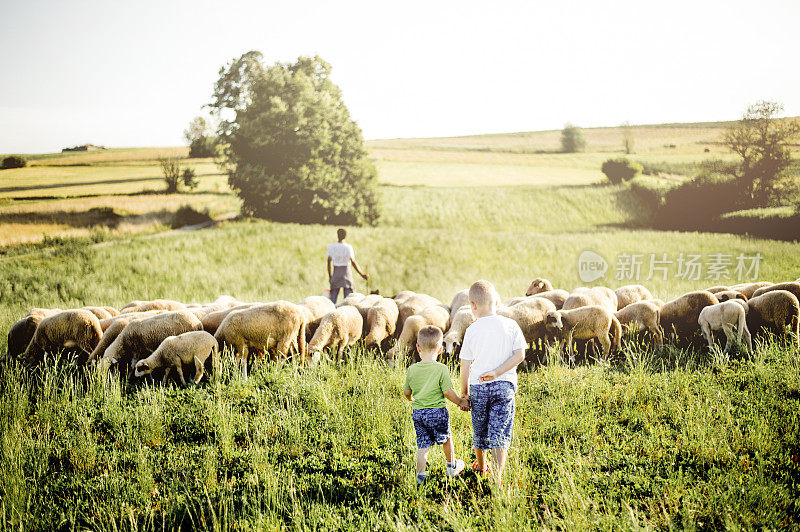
[465, 404]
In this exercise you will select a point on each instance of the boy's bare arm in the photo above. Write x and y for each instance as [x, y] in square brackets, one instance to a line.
[407, 393]
[511, 363]
[465, 365]
[453, 396]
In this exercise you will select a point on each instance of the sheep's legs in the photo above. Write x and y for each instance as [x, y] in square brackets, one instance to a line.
[729, 336]
[198, 370]
[166, 374]
[179, 369]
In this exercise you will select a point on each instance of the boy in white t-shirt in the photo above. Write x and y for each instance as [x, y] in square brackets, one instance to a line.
[493, 348]
[340, 257]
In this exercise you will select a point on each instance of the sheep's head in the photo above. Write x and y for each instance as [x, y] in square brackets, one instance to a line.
[552, 321]
[143, 368]
[538, 285]
[451, 343]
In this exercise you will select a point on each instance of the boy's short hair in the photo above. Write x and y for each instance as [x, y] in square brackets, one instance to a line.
[429, 337]
[341, 233]
[482, 293]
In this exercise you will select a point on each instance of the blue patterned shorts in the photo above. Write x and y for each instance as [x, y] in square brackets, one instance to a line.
[492, 414]
[432, 426]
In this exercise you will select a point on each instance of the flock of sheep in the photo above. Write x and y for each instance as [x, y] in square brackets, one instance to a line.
[143, 336]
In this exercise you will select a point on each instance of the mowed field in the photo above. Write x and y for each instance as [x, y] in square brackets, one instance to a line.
[671, 439]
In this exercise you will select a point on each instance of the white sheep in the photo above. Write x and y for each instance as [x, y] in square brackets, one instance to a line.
[459, 322]
[381, 322]
[114, 327]
[748, 288]
[21, 333]
[599, 295]
[64, 330]
[433, 315]
[175, 351]
[459, 300]
[213, 320]
[529, 315]
[337, 330]
[775, 310]
[725, 316]
[642, 315]
[156, 304]
[585, 323]
[631, 294]
[679, 316]
[318, 307]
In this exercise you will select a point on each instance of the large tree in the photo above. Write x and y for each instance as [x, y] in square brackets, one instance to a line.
[761, 140]
[200, 138]
[572, 139]
[292, 152]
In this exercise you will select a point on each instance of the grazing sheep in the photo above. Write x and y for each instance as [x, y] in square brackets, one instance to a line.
[65, 330]
[459, 322]
[558, 297]
[175, 351]
[213, 320]
[381, 322]
[351, 299]
[156, 304]
[101, 312]
[724, 316]
[789, 287]
[748, 288]
[725, 295]
[658, 302]
[113, 329]
[414, 305]
[631, 294]
[775, 311]
[715, 289]
[402, 296]
[432, 315]
[584, 297]
[529, 315]
[584, 323]
[459, 300]
[510, 302]
[679, 316]
[642, 315]
[318, 307]
[337, 330]
[363, 307]
[139, 338]
[539, 285]
[280, 325]
[21, 333]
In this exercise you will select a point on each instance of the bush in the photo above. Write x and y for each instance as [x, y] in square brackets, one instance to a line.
[14, 161]
[621, 169]
[695, 204]
[171, 168]
[203, 147]
[186, 215]
[651, 190]
[572, 139]
[189, 178]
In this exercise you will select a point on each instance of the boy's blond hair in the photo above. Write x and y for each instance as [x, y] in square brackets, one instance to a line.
[482, 293]
[429, 338]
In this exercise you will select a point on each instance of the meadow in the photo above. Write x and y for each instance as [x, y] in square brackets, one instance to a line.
[671, 439]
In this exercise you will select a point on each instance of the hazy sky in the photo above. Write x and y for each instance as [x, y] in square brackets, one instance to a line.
[135, 73]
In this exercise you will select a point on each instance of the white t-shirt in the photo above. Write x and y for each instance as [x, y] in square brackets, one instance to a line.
[341, 253]
[489, 342]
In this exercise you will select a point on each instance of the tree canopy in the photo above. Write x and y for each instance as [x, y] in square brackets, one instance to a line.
[292, 152]
[572, 139]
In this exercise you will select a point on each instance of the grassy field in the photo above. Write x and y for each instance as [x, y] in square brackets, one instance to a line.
[660, 440]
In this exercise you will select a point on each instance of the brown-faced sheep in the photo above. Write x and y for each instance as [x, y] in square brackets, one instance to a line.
[584, 297]
[432, 315]
[789, 287]
[529, 315]
[642, 316]
[725, 316]
[280, 325]
[585, 323]
[21, 333]
[459, 322]
[538, 285]
[188, 348]
[115, 326]
[141, 337]
[774, 311]
[631, 293]
[318, 307]
[213, 320]
[337, 330]
[156, 304]
[725, 295]
[381, 322]
[65, 330]
[748, 288]
[679, 316]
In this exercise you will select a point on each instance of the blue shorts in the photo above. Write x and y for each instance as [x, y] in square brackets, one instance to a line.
[492, 410]
[432, 426]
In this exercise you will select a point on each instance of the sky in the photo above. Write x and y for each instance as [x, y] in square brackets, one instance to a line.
[123, 74]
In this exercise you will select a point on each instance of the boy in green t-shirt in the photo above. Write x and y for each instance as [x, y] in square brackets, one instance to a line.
[427, 384]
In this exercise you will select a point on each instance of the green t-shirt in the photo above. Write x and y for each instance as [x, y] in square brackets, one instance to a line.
[428, 381]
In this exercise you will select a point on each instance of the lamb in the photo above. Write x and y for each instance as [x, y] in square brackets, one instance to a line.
[175, 351]
[64, 330]
[114, 328]
[318, 307]
[725, 316]
[642, 315]
[156, 304]
[459, 300]
[631, 294]
[432, 315]
[775, 310]
[679, 316]
[789, 287]
[280, 325]
[539, 285]
[381, 322]
[337, 330]
[530, 315]
[585, 323]
[725, 295]
[459, 322]
[748, 288]
[213, 320]
[142, 336]
[599, 295]
[21, 333]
